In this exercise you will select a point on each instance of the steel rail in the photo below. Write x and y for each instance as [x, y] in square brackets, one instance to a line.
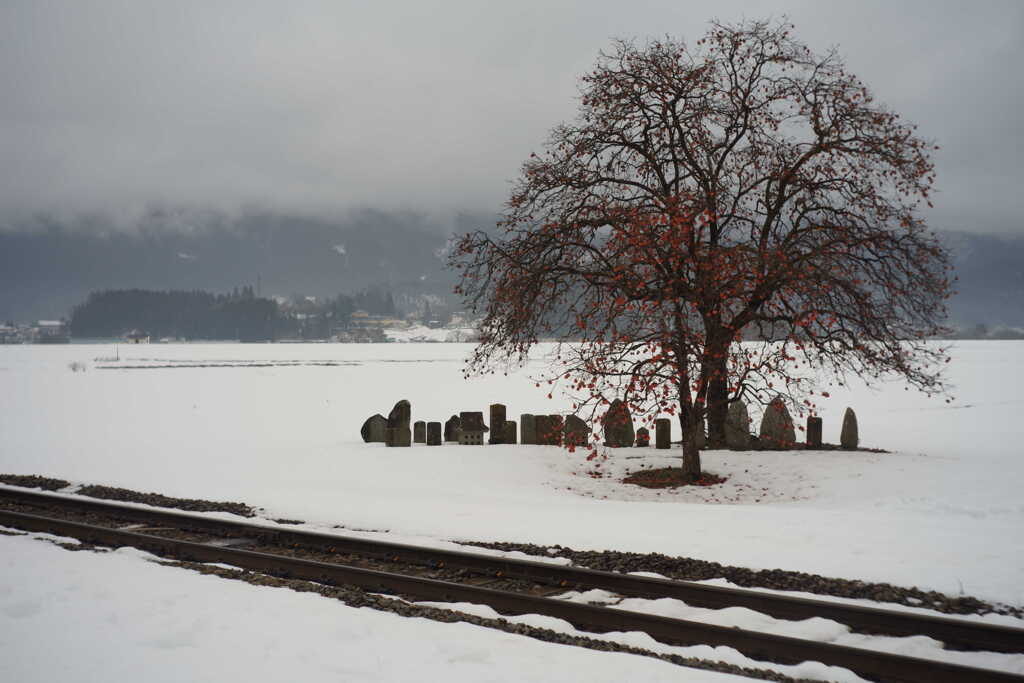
[954, 633]
[874, 665]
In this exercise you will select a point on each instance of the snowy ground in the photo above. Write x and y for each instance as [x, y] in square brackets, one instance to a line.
[422, 333]
[62, 618]
[278, 426]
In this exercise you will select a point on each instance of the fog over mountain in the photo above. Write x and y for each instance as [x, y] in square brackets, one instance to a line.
[44, 271]
[47, 269]
[990, 289]
[325, 146]
[319, 107]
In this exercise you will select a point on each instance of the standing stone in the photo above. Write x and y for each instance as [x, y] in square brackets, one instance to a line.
[497, 420]
[663, 433]
[452, 428]
[542, 428]
[419, 431]
[618, 426]
[549, 430]
[702, 439]
[737, 426]
[471, 431]
[433, 433]
[576, 431]
[375, 429]
[508, 429]
[528, 429]
[777, 432]
[398, 432]
[849, 438]
[643, 438]
[813, 432]
[557, 425]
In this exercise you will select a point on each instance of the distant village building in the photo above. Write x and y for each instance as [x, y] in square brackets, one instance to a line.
[9, 334]
[359, 319]
[362, 319]
[360, 335]
[137, 337]
[52, 332]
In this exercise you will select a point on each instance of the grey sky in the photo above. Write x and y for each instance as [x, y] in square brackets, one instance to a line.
[320, 107]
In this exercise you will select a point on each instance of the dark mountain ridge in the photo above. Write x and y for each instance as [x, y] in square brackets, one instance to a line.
[46, 270]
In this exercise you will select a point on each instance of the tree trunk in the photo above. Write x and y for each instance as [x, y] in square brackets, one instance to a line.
[715, 368]
[718, 404]
[688, 424]
[691, 459]
[687, 413]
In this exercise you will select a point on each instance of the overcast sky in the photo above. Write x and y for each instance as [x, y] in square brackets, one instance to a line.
[316, 108]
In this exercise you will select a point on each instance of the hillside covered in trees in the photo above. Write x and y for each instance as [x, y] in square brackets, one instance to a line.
[239, 315]
[189, 315]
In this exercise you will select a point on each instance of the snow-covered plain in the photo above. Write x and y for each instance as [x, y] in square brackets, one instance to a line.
[82, 616]
[278, 426]
[423, 334]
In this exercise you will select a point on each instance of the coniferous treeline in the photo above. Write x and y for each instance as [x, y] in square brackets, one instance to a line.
[203, 315]
[373, 300]
[188, 315]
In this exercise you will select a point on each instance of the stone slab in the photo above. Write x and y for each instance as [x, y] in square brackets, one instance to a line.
[528, 427]
[663, 433]
[374, 430]
[433, 433]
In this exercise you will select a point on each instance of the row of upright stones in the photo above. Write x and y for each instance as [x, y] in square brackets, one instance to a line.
[468, 428]
[777, 431]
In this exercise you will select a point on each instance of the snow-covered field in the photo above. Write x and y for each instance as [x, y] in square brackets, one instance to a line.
[422, 333]
[63, 617]
[277, 426]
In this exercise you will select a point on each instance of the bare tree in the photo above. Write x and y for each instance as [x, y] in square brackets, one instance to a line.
[743, 185]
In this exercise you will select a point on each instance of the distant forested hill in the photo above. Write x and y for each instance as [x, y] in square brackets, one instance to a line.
[189, 315]
[46, 268]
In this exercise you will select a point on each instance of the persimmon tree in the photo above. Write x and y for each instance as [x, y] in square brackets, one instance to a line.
[742, 185]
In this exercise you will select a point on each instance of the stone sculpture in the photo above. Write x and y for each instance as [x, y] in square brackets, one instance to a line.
[451, 428]
[497, 420]
[508, 432]
[737, 426]
[528, 427]
[663, 433]
[375, 429]
[849, 437]
[576, 431]
[618, 426]
[813, 432]
[433, 433]
[702, 440]
[549, 430]
[472, 428]
[398, 432]
[777, 432]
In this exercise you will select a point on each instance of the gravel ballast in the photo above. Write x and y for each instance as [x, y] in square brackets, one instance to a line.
[161, 501]
[356, 597]
[689, 569]
[34, 481]
[680, 568]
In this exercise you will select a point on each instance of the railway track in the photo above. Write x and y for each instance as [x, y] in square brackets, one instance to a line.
[509, 586]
